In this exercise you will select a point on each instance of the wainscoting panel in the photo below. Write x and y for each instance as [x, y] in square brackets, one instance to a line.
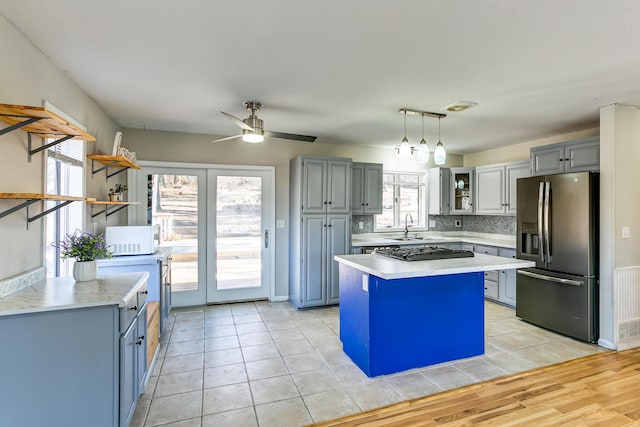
[627, 301]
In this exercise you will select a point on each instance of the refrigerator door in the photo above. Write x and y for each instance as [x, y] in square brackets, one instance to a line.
[559, 302]
[529, 222]
[568, 225]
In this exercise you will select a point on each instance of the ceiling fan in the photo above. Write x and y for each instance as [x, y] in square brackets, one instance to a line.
[253, 127]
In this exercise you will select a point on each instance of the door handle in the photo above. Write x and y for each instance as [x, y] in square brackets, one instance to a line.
[540, 219]
[547, 213]
[550, 278]
[266, 239]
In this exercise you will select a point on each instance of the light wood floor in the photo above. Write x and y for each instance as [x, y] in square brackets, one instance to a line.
[596, 390]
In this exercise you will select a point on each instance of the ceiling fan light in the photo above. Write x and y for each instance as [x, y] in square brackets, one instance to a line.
[423, 152]
[253, 138]
[439, 155]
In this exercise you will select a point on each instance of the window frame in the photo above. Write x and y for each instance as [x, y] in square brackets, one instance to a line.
[422, 216]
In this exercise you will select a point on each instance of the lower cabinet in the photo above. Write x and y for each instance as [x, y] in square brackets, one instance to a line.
[74, 367]
[499, 285]
[316, 281]
[133, 365]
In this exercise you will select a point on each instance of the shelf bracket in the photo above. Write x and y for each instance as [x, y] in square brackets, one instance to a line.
[28, 202]
[24, 204]
[18, 125]
[60, 205]
[106, 211]
[44, 147]
[106, 169]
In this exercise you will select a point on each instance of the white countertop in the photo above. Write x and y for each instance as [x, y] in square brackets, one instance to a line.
[389, 268]
[434, 238]
[65, 293]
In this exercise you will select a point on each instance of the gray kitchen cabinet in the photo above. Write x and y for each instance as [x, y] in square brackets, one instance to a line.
[322, 238]
[499, 285]
[495, 187]
[325, 185]
[491, 286]
[366, 188]
[314, 239]
[507, 280]
[566, 157]
[68, 366]
[438, 182]
[462, 189]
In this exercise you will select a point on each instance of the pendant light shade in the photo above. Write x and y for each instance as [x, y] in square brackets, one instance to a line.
[423, 148]
[404, 152]
[439, 154]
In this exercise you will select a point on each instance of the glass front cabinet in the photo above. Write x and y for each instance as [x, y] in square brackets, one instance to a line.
[462, 190]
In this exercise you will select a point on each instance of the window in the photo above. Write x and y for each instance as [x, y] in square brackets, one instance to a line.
[403, 199]
[65, 176]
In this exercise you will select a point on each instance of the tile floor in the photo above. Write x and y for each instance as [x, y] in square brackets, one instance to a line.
[265, 364]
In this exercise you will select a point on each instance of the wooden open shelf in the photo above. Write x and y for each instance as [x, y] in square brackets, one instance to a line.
[31, 198]
[120, 162]
[40, 121]
[109, 207]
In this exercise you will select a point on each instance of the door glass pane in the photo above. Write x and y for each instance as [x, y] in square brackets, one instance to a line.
[239, 229]
[173, 211]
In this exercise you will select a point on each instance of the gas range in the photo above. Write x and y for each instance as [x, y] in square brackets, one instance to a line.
[422, 253]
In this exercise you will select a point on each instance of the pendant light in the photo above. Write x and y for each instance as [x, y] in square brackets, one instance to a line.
[439, 155]
[423, 148]
[404, 152]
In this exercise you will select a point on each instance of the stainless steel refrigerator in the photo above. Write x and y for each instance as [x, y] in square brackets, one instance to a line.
[557, 227]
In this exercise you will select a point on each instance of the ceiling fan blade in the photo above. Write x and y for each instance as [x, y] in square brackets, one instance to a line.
[225, 139]
[238, 122]
[293, 136]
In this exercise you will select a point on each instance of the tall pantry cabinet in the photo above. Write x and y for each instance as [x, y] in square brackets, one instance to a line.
[320, 227]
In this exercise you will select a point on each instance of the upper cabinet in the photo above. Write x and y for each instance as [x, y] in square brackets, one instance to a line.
[462, 191]
[326, 185]
[495, 187]
[439, 191]
[366, 188]
[574, 156]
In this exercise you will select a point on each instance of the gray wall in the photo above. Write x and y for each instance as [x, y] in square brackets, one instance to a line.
[28, 78]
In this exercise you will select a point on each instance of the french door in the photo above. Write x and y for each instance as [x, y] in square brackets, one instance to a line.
[240, 203]
[218, 221]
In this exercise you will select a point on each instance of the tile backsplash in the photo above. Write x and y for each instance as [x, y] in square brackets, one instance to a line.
[477, 223]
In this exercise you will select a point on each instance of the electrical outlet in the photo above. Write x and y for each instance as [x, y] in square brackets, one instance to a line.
[457, 223]
[432, 223]
[361, 225]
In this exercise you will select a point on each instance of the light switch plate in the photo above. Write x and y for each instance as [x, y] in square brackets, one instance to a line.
[365, 282]
[280, 223]
[626, 232]
[360, 225]
[432, 223]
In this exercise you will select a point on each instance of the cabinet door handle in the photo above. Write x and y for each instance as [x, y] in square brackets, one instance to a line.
[134, 308]
[144, 292]
[140, 340]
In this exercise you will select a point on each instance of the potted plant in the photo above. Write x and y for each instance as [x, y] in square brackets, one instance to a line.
[85, 248]
[116, 194]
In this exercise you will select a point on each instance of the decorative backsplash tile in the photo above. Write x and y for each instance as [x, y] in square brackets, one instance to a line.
[367, 222]
[22, 280]
[477, 223]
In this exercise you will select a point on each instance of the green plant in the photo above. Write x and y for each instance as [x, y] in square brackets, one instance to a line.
[84, 247]
[118, 188]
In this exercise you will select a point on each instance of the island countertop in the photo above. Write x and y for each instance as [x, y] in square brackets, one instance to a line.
[389, 268]
[65, 293]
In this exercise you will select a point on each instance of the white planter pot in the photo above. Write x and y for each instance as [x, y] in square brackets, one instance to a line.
[117, 197]
[84, 271]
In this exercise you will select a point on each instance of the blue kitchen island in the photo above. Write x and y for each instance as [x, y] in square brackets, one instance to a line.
[397, 315]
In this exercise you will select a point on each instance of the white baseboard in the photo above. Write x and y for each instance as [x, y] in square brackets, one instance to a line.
[606, 344]
[280, 298]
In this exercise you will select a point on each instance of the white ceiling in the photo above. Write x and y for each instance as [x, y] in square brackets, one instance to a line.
[341, 69]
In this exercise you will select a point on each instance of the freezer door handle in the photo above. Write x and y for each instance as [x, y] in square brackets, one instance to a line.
[547, 191]
[540, 219]
[550, 278]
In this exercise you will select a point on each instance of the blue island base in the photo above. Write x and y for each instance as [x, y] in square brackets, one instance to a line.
[389, 326]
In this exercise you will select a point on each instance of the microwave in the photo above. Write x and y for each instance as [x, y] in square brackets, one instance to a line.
[130, 239]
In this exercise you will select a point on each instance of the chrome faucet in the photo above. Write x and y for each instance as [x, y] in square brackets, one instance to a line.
[406, 225]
